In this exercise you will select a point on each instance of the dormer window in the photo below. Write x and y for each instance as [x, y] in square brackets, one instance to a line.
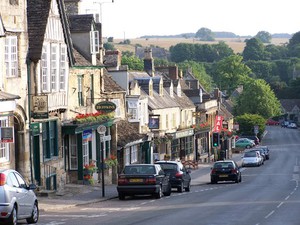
[94, 42]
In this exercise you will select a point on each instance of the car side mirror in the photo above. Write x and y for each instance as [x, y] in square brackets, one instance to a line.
[32, 187]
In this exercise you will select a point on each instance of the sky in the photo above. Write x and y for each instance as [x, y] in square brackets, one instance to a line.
[129, 19]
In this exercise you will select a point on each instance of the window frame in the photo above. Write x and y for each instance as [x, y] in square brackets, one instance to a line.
[11, 56]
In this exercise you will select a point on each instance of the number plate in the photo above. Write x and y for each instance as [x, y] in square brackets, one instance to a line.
[136, 180]
[223, 175]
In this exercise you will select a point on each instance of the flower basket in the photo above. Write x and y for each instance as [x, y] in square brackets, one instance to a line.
[111, 161]
[88, 171]
[92, 117]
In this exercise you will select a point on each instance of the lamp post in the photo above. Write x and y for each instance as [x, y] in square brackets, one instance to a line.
[100, 9]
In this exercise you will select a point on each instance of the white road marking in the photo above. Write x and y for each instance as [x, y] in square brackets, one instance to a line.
[287, 198]
[281, 203]
[269, 214]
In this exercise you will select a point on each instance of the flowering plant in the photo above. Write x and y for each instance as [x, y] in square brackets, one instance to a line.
[88, 171]
[93, 117]
[201, 126]
[111, 161]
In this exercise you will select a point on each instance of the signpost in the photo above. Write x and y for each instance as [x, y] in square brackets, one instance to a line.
[101, 130]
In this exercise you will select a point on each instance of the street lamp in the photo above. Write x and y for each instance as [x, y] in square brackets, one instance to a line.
[100, 9]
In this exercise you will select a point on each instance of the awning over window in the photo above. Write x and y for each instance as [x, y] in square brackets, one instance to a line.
[71, 128]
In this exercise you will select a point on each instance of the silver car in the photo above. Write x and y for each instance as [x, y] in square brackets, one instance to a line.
[17, 199]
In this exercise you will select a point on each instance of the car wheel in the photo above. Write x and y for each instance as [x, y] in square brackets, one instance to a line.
[121, 196]
[12, 220]
[180, 188]
[213, 181]
[168, 193]
[188, 188]
[159, 194]
[34, 214]
[236, 179]
[240, 180]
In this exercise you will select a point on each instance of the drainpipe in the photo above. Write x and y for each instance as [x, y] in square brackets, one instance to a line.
[28, 62]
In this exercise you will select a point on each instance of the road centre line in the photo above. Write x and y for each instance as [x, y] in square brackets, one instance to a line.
[267, 216]
[280, 204]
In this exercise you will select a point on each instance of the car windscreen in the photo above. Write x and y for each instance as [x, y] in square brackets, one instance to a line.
[223, 165]
[142, 169]
[250, 154]
[168, 166]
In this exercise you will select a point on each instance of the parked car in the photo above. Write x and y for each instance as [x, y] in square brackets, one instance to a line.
[252, 158]
[265, 150]
[272, 122]
[17, 199]
[261, 152]
[292, 125]
[179, 176]
[143, 179]
[251, 137]
[285, 124]
[225, 170]
[244, 143]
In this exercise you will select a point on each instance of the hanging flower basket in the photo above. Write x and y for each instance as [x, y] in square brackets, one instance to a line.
[92, 117]
[111, 161]
[88, 171]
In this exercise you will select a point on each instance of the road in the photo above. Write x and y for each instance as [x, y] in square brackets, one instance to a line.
[267, 195]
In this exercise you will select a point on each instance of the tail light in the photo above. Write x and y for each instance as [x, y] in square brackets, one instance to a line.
[151, 180]
[122, 180]
[234, 171]
[213, 171]
[178, 175]
[2, 179]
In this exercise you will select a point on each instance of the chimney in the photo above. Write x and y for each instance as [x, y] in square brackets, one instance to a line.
[149, 62]
[173, 72]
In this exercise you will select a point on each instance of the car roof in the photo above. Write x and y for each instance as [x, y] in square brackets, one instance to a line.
[169, 162]
[226, 160]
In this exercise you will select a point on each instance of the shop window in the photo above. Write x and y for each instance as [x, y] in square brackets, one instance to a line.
[85, 153]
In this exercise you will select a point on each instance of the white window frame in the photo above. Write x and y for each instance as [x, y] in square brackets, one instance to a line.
[85, 153]
[11, 56]
[127, 156]
[117, 111]
[134, 154]
[73, 152]
[94, 42]
[4, 147]
[45, 65]
[54, 69]
[63, 67]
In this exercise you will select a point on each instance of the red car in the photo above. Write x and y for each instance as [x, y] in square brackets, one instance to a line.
[272, 122]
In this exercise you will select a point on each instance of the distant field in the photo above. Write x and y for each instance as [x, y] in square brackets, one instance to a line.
[237, 44]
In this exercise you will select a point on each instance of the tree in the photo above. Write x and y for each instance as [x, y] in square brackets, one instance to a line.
[133, 62]
[254, 50]
[108, 46]
[182, 52]
[294, 45]
[247, 122]
[230, 73]
[257, 98]
[223, 50]
[264, 36]
[205, 34]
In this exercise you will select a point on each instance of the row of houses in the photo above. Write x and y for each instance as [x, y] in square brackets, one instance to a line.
[66, 102]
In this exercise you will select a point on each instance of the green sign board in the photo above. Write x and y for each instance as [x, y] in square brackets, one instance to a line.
[105, 107]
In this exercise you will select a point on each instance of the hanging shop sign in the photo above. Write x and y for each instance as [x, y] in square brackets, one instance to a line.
[6, 135]
[40, 107]
[218, 124]
[105, 107]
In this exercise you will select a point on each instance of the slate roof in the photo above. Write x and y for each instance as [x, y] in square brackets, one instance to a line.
[4, 96]
[109, 84]
[127, 133]
[79, 59]
[289, 104]
[37, 18]
[81, 23]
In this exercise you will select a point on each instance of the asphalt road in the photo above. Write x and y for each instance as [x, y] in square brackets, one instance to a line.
[267, 195]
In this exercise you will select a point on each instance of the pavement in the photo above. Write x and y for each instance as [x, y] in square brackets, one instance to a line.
[76, 194]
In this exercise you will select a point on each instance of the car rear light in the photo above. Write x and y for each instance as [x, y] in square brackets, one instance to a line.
[2, 179]
[4, 214]
[178, 175]
[234, 171]
[151, 180]
[213, 171]
[122, 180]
